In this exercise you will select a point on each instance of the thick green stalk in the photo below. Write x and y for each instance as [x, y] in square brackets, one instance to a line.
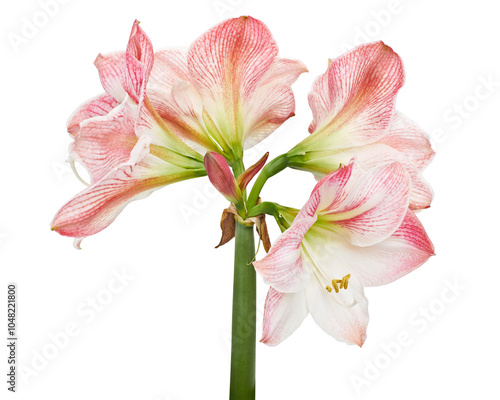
[243, 338]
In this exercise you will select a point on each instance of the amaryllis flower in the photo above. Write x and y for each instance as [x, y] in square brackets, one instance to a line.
[355, 230]
[126, 147]
[229, 91]
[354, 115]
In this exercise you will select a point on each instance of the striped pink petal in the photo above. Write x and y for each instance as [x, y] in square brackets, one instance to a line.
[95, 107]
[234, 68]
[353, 102]
[170, 66]
[406, 136]
[139, 59]
[377, 154]
[284, 71]
[373, 208]
[404, 251]
[273, 101]
[104, 142]
[182, 110]
[112, 72]
[284, 267]
[176, 100]
[149, 123]
[283, 314]
[227, 62]
[271, 106]
[334, 188]
[98, 205]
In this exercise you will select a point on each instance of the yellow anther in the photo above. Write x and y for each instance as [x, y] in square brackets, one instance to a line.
[342, 282]
[345, 281]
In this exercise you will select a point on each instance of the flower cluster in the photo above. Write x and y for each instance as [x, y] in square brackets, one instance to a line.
[161, 111]
[173, 115]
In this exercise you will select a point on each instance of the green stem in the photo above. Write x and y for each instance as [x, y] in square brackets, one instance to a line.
[271, 169]
[238, 167]
[242, 385]
[276, 211]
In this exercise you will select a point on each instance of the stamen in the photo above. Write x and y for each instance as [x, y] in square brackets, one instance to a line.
[343, 283]
[322, 277]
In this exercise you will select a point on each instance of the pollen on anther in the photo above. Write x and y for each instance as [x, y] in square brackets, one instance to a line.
[329, 289]
[345, 281]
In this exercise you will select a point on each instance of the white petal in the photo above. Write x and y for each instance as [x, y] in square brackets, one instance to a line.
[283, 314]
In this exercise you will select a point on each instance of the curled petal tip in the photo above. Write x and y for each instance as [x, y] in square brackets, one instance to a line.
[134, 27]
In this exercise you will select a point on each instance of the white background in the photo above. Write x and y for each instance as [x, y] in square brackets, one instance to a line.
[165, 334]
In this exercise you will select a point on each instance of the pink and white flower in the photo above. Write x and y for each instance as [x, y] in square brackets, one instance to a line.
[355, 230]
[353, 105]
[229, 91]
[126, 147]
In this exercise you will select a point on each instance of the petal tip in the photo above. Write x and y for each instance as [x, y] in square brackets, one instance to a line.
[361, 341]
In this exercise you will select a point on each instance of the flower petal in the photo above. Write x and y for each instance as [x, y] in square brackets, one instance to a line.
[104, 142]
[95, 107]
[373, 207]
[139, 59]
[284, 71]
[273, 101]
[177, 101]
[170, 66]
[353, 102]
[111, 68]
[150, 123]
[334, 187]
[407, 137]
[98, 205]
[407, 249]
[226, 64]
[283, 267]
[271, 106]
[347, 324]
[182, 110]
[379, 264]
[373, 155]
[283, 314]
